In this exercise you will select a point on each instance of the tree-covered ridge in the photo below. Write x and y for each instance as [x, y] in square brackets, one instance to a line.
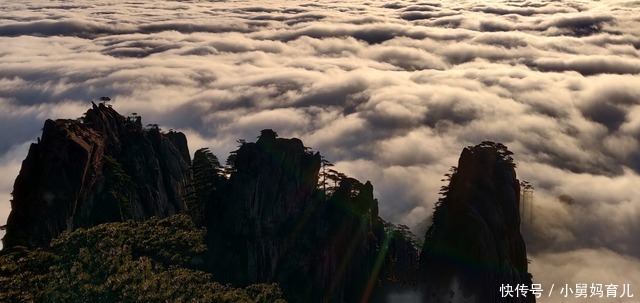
[148, 261]
[275, 212]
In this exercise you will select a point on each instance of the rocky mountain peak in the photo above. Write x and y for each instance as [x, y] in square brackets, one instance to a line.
[103, 167]
[267, 218]
[271, 222]
[474, 245]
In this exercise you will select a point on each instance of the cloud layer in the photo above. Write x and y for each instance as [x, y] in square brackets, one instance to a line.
[389, 91]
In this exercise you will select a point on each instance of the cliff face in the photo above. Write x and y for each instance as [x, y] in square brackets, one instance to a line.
[474, 245]
[270, 223]
[268, 220]
[103, 168]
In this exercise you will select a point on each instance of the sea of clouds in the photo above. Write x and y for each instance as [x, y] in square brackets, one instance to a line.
[390, 91]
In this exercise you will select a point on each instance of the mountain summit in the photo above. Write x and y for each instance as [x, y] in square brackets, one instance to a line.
[267, 218]
[101, 168]
[275, 213]
[271, 222]
[474, 246]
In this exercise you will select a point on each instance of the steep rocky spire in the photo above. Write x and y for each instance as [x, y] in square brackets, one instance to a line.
[474, 245]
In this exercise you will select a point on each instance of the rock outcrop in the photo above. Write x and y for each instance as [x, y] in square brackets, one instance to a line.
[474, 245]
[267, 219]
[101, 168]
[271, 223]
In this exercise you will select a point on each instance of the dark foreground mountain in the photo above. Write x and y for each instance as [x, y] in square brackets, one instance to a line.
[474, 245]
[101, 168]
[271, 223]
[274, 214]
[268, 221]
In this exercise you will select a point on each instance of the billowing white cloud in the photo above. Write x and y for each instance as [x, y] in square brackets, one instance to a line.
[390, 92]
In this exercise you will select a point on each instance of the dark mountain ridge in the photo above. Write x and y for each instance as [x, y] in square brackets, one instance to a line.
[276, 225]
[101, 168]
[267, 219]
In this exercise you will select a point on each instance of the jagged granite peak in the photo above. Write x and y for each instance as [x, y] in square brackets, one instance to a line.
[267, 218]
[474, 245]
[103, 167]
[273, 180]
[272, 223]
[251, 218]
